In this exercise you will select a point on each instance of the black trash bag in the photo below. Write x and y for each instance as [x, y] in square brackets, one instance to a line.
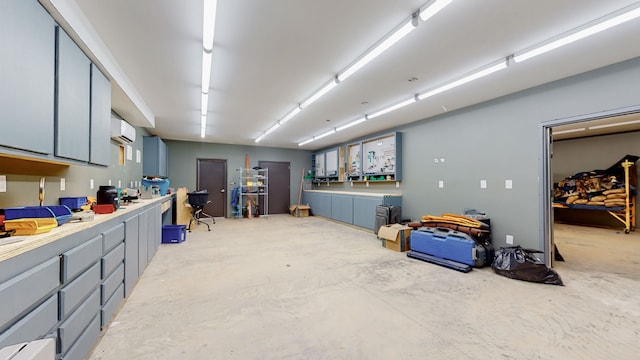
[517, 263]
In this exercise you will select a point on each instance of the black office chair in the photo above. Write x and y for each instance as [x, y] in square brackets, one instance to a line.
[198, 200]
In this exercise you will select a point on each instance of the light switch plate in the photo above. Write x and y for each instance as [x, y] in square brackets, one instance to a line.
[508, 184]
[63, 184]
[3, 183]
[91, 184]
[483, 184]
[441, 184]
[509, 239]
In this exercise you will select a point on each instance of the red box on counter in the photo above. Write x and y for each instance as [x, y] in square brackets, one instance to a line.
[103, 208]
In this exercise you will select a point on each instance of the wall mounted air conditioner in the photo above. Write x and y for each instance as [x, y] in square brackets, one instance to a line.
[122, 132]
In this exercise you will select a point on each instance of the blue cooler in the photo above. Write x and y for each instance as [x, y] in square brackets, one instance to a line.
[445, 243]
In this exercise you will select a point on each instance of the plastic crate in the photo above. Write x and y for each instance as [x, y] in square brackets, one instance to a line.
[73, 203]
[30, 226]
[162, 184]
[60, 212]
[173, 234]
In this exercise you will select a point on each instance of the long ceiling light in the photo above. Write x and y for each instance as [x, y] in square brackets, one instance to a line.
[405, 29]
[392, 108]
[473, 76]
[208, 30]
[606, 22]
[401, 31]
[353, 123]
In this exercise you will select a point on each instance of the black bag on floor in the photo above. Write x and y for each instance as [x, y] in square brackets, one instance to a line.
[518, 263]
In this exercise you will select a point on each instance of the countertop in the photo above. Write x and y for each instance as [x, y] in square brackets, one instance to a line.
[30, 242]
[361, 193]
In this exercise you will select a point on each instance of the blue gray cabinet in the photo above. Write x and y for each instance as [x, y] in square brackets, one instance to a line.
[100, 149]
[154, 157]
[352, 208]
[27, 73]
[70, 288]
[73, 86]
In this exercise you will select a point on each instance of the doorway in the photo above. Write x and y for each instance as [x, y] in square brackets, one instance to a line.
[601, 121]
[212, 176]
[279, 183]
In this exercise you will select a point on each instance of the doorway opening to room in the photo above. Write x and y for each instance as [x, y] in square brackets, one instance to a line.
[211, 175]
[581, 161]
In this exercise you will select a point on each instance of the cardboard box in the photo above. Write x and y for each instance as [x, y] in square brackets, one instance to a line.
[299, 210]
[395, 237]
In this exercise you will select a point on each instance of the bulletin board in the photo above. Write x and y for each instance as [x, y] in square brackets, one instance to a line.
[353, 159]
[331, 167]
[379, 155]
[319, 164]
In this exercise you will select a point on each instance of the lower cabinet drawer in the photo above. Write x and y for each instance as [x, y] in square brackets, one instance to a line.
[76, 291]
[85, 342]
[111, 306]
[110, 284]
[112, 260]
[33, 325]
[81, 257]
[75, 324]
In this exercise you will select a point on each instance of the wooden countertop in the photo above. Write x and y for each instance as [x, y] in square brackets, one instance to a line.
[361, 193]
[30, 242]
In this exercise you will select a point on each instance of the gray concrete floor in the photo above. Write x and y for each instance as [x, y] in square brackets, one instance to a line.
[309, 288]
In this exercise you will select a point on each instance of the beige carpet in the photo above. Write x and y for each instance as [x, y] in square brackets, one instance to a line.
[308, 288]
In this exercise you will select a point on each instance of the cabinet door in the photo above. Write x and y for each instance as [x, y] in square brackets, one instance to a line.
[155, 159]
[99, 152]
[27, 73]
[131, 244]
[364, 211]
[72, 89]
[143, 241]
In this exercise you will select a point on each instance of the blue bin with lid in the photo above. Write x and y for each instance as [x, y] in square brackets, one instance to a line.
[173, 234]
[61, 213]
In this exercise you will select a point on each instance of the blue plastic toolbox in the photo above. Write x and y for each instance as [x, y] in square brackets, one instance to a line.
[445, 244]
[60, 212]
[173, 234]
[73, 203]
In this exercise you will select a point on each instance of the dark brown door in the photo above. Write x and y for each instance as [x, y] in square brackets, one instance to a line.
[212, 176]
[279, 185]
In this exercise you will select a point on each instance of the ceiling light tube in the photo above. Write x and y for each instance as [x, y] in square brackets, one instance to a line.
[206, 70]
[272, 129]
[613, 125]
[208, 23]
[353, 123]
[260, 138]
[474, 76]
[290, 115]
[391, 108]
[204, 104]
[619, 17]
[379, 49]
[305, 142]
[568, 131]
[332, 131]
[319, 94]
[203, 125]
[433, 9]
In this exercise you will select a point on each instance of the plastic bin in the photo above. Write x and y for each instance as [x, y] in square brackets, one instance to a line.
[60, 212]
[162, 184]
[30, 226]
[173, 234]
[73, 203]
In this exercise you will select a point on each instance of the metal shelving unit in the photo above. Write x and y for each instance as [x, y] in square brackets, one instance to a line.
[253, 194]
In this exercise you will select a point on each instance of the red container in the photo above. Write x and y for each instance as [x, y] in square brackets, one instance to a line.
[103, 208]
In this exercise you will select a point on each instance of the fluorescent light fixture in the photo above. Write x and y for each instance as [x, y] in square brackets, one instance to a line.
[260, 137]
[568, 131]
[353, 123]
[272, 129]
[433, 9]
[392, 108]
[613, 125]
[206, 70]
[474, 76]
[208, 23]
[609, 21]
[203, 125]
[305, 142]
[290, 115]
[319, 94]
[204, 105]
[332, 131]
[379, 49]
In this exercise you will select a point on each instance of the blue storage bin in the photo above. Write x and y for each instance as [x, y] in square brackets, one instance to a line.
[162, 184]
[173, 234]
[61, 213]
[73, 203]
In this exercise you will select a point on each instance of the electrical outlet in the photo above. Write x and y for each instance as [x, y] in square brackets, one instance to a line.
[441, 184]
[3, 183]
[119, 184]
[483, 184]
[63, 184]
[91, 184]
[508, 184]
[509, 239]
[109, 182]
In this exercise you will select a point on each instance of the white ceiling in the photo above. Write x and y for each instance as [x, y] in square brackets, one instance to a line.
[271, 55]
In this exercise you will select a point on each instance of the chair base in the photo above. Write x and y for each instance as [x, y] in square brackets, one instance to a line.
[197, 217]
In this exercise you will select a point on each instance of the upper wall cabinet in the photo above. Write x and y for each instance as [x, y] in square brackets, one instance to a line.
[100, 152]
[376, 159]
[328, 165]
[27, 73]
[73, 88]
[154, 157]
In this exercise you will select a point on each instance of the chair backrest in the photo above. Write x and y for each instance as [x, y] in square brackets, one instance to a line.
[198, 198]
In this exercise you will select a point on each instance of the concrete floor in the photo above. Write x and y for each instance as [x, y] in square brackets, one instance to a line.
[308, 288]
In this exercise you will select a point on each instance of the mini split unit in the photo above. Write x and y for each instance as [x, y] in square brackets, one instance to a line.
[122, 131]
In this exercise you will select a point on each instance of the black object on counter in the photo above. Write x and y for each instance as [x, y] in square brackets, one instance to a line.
[108, 195]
